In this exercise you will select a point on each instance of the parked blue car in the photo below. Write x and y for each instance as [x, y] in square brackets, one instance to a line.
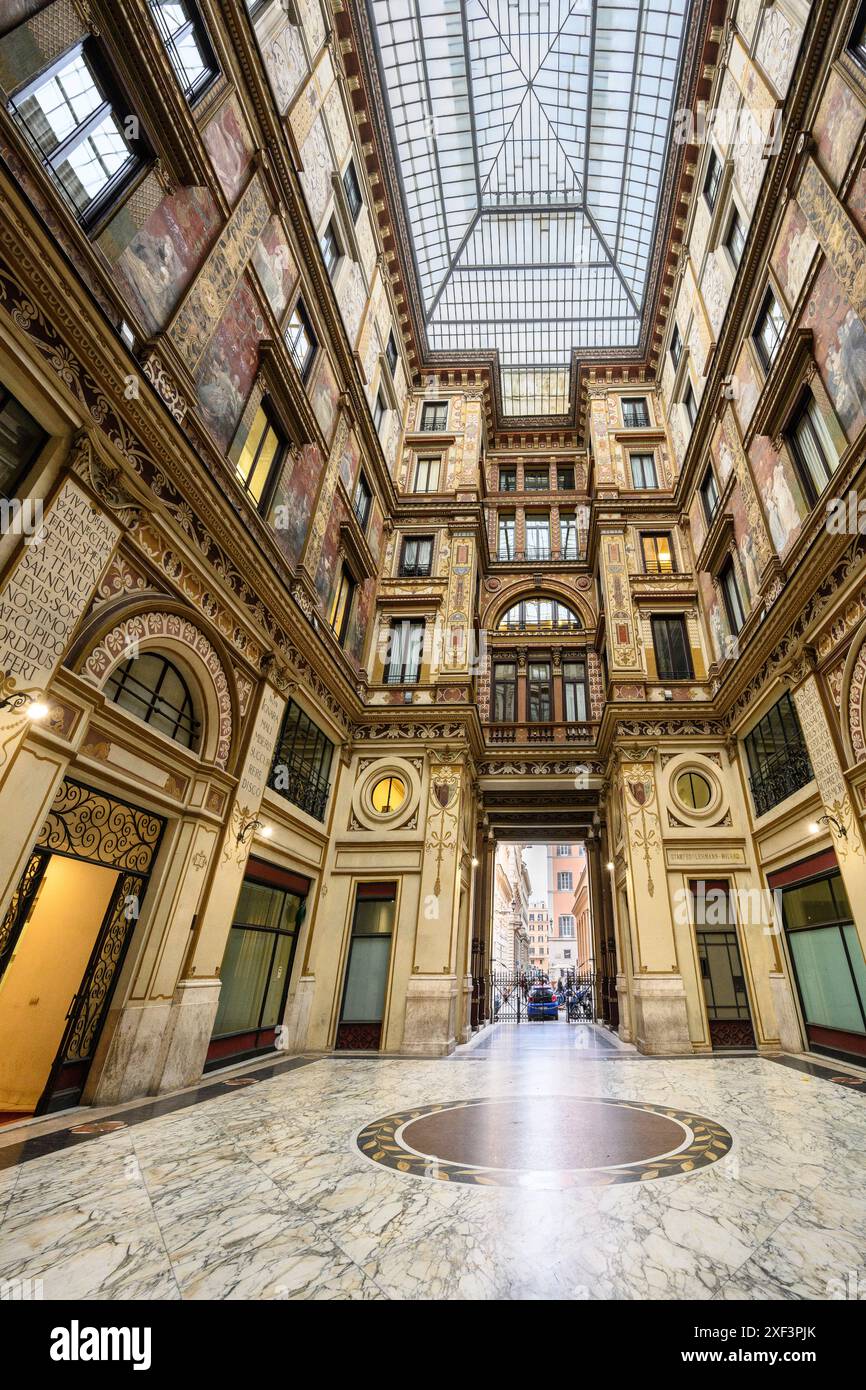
[542, 1003]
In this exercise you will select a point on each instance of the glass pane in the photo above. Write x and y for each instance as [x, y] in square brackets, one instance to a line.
[366, 978]
[244, 974]
[277, 982]
[809, 904]
[855, 955]
[20, 440]
[825, 980]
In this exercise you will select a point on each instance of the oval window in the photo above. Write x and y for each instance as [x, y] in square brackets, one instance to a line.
[388, 795]
[694, 790]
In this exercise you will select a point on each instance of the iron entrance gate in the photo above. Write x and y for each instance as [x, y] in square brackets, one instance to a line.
[506, 995]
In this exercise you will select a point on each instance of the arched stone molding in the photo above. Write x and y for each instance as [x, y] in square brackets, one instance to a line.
[176, 635]
[555, 590]
[854, 698]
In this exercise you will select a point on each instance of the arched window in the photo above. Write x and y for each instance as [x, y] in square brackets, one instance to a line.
[540, 615]
[151, 687]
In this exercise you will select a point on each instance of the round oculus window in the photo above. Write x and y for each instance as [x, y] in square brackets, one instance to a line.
[694, 790]
[388, 795]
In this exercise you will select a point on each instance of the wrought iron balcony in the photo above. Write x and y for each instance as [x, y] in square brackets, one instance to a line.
[779, 777]
[537, 732]
[300, 786]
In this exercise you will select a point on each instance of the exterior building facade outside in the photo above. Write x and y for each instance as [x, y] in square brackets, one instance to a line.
[251, 544]
[566, 865]
[512, 935]
[539, 934]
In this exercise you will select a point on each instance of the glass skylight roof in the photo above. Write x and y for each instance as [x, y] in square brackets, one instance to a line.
[531, 136]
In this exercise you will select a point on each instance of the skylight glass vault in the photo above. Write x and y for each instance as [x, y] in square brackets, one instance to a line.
[531, 137]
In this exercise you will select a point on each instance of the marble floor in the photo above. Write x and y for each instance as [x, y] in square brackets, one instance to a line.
[267, 1192]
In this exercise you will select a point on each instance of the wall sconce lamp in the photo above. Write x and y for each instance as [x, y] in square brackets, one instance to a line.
[815, 826]
[611, 865]
[252, 826]
[33, 707]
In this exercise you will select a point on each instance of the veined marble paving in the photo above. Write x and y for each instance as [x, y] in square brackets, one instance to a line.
[263, 1192]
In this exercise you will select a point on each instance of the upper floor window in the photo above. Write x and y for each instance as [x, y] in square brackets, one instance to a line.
[330, 248]
[565, 478]
[733, 598]
[264, 449]
[434, 415]
[301, 770]
[536, 479]
[671, 645]
[416, 559]
[776, 751]
[539, 615]
[564, 882]
[21, 438]
[391, 353]
[352, 190]
[814, 455]
[568, 540]
[658, 555]
[769, 329]
[643, 470]
[736, 237]
[676, 346]
[538, 538]
[713, 179]
[710, 495]
[565, 924]
[857, 42]
[635, 413]
[504, 692]
[405, 652]
[689, 403]
[341, 607]
[574, 689]
[73, 117]
[152, 688]
[564, 851]
[427, 474]
[361, 501]
[187, 45]
[508, 480]
[300, 339]
[505, 546]
[539, 700]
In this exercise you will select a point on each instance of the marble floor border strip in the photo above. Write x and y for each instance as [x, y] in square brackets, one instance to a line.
[82, 1128]
[853, 1080]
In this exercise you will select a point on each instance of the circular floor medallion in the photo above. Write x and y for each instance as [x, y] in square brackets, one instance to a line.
[561, 1141]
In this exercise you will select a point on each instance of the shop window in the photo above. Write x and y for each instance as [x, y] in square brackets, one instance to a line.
[152, 688]
[829, 969]
[352, 190]
[658, 554]
[405, 652]
[643, 470]
[75, 120]
[257, 966]
[779, 763]
[504, 692]
[21, 439]
[434, 415]
[301, 769]
[416, 559]
[362, 1009]
[635, 414]
[300, 339]
[672, 651]
[186, 42]
[257, 469]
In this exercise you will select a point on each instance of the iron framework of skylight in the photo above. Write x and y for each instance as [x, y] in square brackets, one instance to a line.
[531, 137]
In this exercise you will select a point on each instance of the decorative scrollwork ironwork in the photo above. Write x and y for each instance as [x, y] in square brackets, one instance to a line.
[19, 908]
[89, 825]
[87, 1008]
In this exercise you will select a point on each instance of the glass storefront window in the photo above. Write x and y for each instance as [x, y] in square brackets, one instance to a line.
[826, 983]
[257, 965]
[828, 962]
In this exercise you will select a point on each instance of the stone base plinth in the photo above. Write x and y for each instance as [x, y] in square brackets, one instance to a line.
[661, 1023]
[430, 1029]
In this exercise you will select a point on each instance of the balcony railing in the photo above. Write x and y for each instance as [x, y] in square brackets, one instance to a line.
[531, 732]
[780, 777]
[540, 555]
[300, 786]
